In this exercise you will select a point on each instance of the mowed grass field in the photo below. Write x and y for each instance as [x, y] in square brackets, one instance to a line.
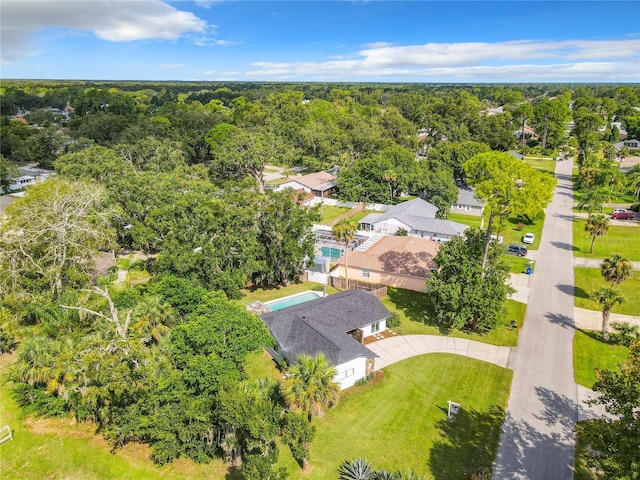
[591, 352]
[589, 279]
[624, 240]
[417, 318]
[400, 422]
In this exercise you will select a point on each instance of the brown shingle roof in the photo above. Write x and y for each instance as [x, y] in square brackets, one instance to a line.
[314, 180]
[400, 255]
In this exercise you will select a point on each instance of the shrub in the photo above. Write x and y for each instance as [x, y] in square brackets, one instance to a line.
[361, 382]
[7, 342]
[393, 321]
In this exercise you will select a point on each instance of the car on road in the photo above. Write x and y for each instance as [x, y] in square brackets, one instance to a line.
[621, 214]
[517, 250]
[528, 238]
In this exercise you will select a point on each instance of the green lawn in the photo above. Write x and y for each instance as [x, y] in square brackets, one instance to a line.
[518, 264]
[545, 164]
[624, 240]
[60, 449]
[591, 352]
[509, 230]
[330, 213]
[590, 279]
[470, 220]
[401, 421]
[417, 319]
[272, 293]
[360, 215]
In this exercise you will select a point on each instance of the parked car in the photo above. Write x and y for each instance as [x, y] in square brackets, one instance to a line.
[622, 214]
[528, 238]
[517, 250]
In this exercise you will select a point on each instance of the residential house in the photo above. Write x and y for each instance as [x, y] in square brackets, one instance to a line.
[335, 325]
[467, 203]
[417, 217]
[320, 184]
[631, 143]
[403, 262]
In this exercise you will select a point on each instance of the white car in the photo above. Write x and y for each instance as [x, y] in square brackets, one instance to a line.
[528, 238]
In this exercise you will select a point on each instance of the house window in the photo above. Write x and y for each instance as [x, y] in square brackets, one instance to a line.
[376, 326]
[366, 273]
[345, 374]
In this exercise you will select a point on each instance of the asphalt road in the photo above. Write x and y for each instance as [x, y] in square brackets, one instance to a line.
[537, 438]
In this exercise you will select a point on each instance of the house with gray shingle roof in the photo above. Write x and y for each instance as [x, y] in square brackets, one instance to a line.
[417, 217]
[335, 325]
[467, 203]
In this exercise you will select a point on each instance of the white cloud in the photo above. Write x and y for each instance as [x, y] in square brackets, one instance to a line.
[115, 21]
[172, 65]
[605, 60]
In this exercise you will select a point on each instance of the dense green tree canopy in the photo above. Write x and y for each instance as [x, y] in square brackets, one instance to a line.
[465, 295]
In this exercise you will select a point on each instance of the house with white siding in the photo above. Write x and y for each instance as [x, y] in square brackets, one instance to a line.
[417, 217]
[467, 203]
[336, 326]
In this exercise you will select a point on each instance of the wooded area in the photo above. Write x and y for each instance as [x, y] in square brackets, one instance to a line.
[177, 171]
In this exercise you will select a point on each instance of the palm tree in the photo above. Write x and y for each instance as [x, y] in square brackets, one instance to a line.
[153, 319]
[597, 226]
[309, 385]
[358, 469]
[633, 178]
[390, 177]
[608, 297]
[345, 231]
[592, 199]
[615, 269]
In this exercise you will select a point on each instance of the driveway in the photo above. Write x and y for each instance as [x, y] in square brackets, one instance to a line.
[537, 438]
[394, 349]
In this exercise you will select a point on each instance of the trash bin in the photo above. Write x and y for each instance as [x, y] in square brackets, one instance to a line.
[528, 271]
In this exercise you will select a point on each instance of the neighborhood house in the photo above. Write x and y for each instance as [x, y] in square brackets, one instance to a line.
[320, 184]
[336, 326]
[467, 203]
[403, 262]
[417, 217]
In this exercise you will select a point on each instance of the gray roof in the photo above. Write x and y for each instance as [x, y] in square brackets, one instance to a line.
[405, 211]
[467, 197]
[418, 214]
[437, 225]
[321, 326]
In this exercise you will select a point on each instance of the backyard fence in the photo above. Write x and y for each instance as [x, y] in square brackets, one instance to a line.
[375, 289]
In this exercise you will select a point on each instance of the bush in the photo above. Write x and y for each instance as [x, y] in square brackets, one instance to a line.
[393, 321]
[361, 382]
[7, 342]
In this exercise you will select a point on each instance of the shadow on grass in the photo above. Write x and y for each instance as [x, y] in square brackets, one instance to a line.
[469, 444]
[416, 306]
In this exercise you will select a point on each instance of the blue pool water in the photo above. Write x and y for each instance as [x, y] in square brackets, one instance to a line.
[291, 301]
[331, 252]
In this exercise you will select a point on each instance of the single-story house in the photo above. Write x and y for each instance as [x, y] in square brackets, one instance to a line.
[403, 262]
[320, 184]
[417, 217]
[21, 182]
[467, 203]
[631, 143]
[335, 325]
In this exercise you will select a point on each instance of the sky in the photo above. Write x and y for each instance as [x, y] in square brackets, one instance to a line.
[329, 41]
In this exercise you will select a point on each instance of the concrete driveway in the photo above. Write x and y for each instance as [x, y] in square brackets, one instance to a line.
[394, 349]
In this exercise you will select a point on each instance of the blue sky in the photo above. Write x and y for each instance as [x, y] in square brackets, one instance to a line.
[350, 41]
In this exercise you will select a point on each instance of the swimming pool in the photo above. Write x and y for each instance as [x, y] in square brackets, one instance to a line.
[331, 252]
[292, 300]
